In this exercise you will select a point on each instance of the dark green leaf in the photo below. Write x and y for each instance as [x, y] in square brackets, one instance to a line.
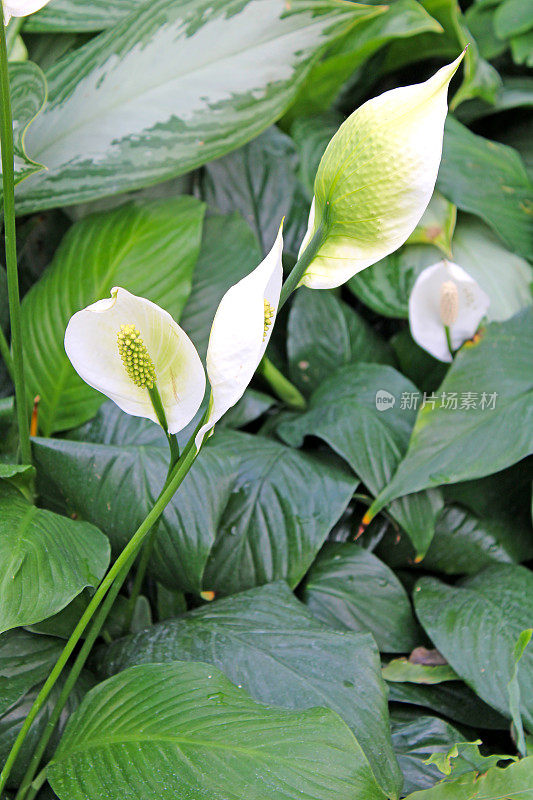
[258, 180]
[488, 179]
[182, 729]
[113, 249]
[25, 660]
[259, 511]
[11, 722]
[480, 436]
[172, 114]
[504, 276]
[267, 642]
[476, 624]
[415, 739]
[229, 251]
[451, 699]
[359, 413]
[324, 333]
[337, 589]
[46, 560]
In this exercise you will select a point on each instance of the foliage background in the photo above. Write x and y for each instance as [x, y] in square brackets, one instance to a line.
[158, 146]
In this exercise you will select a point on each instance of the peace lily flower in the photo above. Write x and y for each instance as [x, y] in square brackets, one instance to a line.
[22, 8]
[376, 178]
[240, 334]
[124, 346]
[445, 297]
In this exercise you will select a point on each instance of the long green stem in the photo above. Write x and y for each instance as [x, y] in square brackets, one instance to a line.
[128, 553]
[281, 386]
[26, 790]
[301, 265]
[6, 353]
[146, 552]
[8, 182]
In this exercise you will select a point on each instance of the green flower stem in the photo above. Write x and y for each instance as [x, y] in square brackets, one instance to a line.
[158, 407]
[6, 353]
[128, 554]
[280, 385]
[29, 788]
[448, 339]
[301, 265]
[8, 181]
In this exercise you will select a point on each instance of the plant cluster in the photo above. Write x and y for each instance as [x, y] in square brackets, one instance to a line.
[266, 400]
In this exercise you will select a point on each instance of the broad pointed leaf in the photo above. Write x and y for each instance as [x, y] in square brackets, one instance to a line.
[267, 642]
[182, 729]
[46, 560]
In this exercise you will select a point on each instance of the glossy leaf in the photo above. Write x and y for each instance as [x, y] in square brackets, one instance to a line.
[337, 589]
[480, 79]
[258, 180]
[323, 333]
[229, 245]
[172, 115]
[476, 624]
[267, 642]
[403, 19]
[245, 515]
[450, 444]
[488, 179]
[358, 412]
[504, 276]
[46, 560]
[451, 699]
[207, 738]
[25, 660]
[11, 722]
[416, 738]
[113, 249]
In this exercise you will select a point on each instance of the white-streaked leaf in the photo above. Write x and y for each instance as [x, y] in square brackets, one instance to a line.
[120, 116]
[28, 95]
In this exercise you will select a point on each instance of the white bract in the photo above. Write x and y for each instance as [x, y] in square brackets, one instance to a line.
[445, 295]
[22, 8]
[376, 178]
[125, 344]
[240, 334]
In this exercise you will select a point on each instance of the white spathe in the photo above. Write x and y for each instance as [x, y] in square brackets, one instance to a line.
[92, 346]
[376, 179]
[240, 334]
[425, 308]
[22, 8]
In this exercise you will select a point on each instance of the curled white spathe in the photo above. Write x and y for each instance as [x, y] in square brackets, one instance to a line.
[22, 8]
[238, 338]
[425, 312]
[91, 345]
[376, 179]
